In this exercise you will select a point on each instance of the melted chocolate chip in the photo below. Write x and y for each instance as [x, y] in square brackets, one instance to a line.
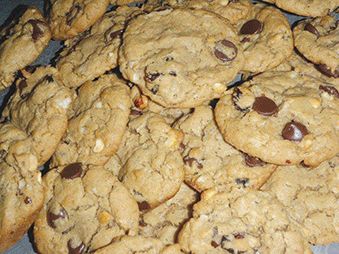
[189, 161]
[252, 26]
[235, 98]
[242, 181]
[51, 217]
[37, 31]
[78, 250]
[331, 90]
[225, 50]
[310, 28]
[214, 244]
[28, 200]
[265, 106]
[150, 77]
[73, 12]
[72, 171]
[324, 69]
[294, 131]
[252, 161]
[155, 89]
[143, 206]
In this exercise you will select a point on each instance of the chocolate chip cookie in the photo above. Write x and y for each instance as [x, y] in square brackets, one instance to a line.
[68, 18]
[85, 208]
[185, 61]
[152, 164]
[100, 118]
[211, 162]
[254, 222]
[29, 33]
[318, 40]
[283, 118]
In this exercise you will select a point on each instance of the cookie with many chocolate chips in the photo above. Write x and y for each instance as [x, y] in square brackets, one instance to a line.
[251, 222]
[311, 196]
[95, 51]
[211, 162]
[21, 192]
[185, 61]
[68, 18]
[318, 40]
[152, 165]
[266, 38]
[21, 43]
[100, 118]
[282, 118]
[85, 208]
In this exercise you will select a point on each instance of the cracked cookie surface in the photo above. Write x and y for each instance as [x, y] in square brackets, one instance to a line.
[186, 61]
[85, 208]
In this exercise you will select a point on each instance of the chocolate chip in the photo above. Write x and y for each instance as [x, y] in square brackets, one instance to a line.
[242, 181]
[213, 103]
[116, 34]
[225, 50]
[143, 206]
[30, 68]
[214, 244]
[252, 26]
[72, 171]
[37, 31]
[230, 250]
[135, 112]
[324, 69]
[189, 161]
[252, 161]
[239, 235]
[310, 28]
[49, 78]
[245, 39]
[28, 200]
[52, 217]
[294, 131]
[155, 89]
[173, 73]
[169, 58]
[73, 12]
[142, 223]
[331, 90]
[235, 99]
[22, 84]
[264, 106]
[150, 77]
[78, 250]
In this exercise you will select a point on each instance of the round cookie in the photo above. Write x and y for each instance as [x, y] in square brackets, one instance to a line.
[68, 18]
[211, 162]
[311, 197]
[85, 208]
[283, 118]
[318, 41]
[165, 221]
[266, 38]
[29, 33]
[312, 8]
[254, 222]
[152, 165]
[21, 192]
[184, 62]
[100, 119]
[95, 51]
[40, 108]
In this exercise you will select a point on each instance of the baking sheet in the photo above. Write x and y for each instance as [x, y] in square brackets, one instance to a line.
[6, 7]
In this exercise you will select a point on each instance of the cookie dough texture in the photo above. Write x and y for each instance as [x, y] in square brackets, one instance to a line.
[95, 51]
[318, 41]
[254, 222]
[268, 44]
[283, 118]
[29, 33]
[311, 196]
[40, 108]
[85, 208]
[21, 192]
[68, 18]
[211, 162]
[100, 119]
[186, 61]
[152, 164]
[312, 8]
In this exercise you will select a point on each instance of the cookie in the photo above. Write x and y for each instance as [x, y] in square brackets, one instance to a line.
[100, 119]
[152, 165]
[266, 38]
[29, 33]
[21, 192]
[318, 41]
[95, 51]
[211, 162]
[311, 197]
[68, 18]
[165, 221]
[40, 108]
[184, 62]
[85, 208]
[283, 118]
[254, 222]
[307, 8]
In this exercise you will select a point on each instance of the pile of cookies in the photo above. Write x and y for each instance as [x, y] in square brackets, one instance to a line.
[146, 146]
